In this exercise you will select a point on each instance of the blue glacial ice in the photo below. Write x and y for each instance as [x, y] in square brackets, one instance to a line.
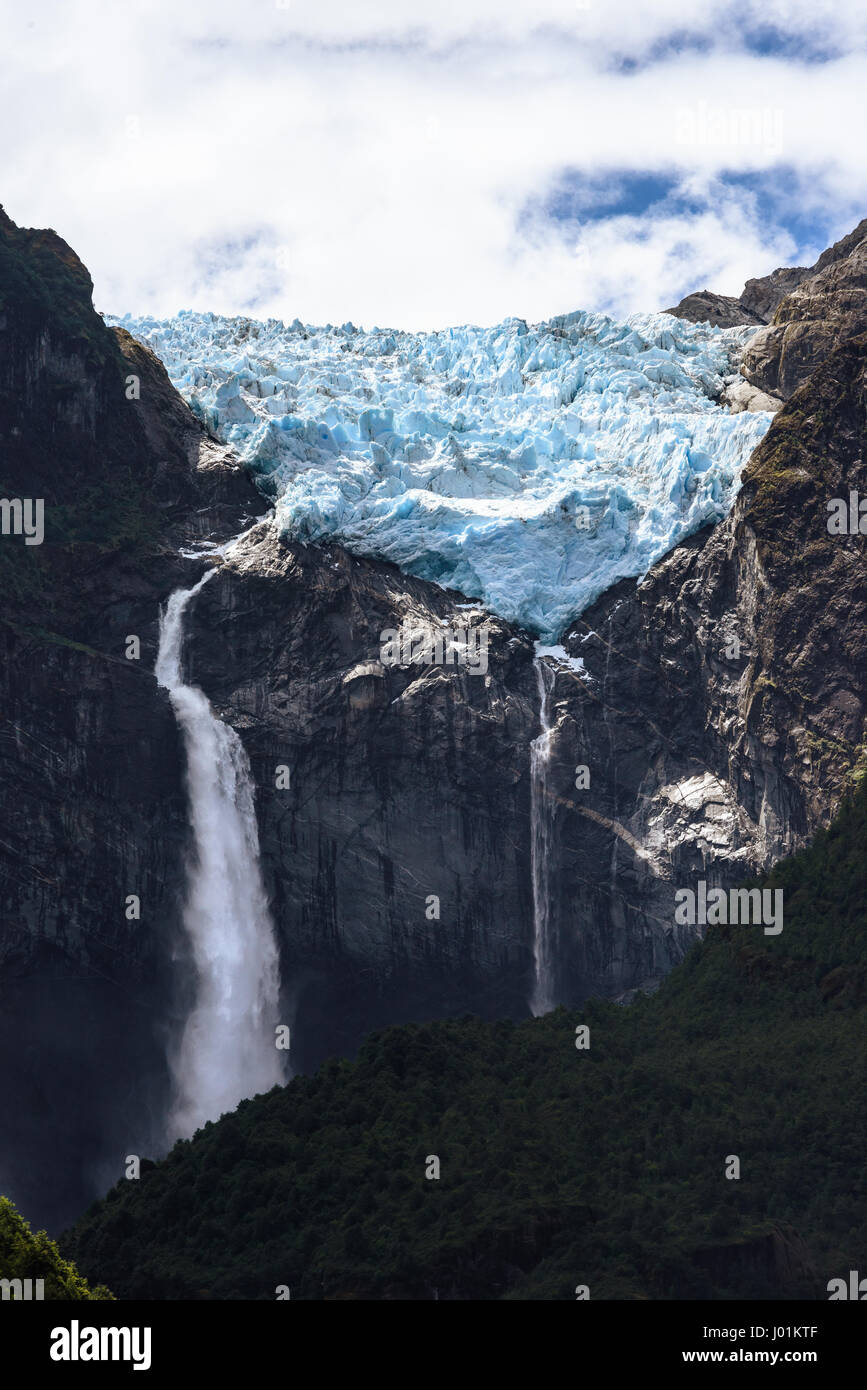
[529, 466]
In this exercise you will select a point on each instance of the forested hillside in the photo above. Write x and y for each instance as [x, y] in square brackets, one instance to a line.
[559, 1166]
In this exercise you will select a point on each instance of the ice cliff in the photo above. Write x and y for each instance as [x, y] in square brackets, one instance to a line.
[529, 466]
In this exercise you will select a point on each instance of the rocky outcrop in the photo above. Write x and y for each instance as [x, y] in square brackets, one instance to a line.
[756, 303]
[805, 312]
[723, 311]
[764, 1263]
[766, 300]
[826, 308]
[762, 295]
[739, 395]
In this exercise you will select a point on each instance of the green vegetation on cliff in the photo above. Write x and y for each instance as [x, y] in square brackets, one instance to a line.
[24, 1255]
[558, 1166]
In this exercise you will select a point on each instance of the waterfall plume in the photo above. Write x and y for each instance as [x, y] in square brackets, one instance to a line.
[543, 997]
[228, 1050]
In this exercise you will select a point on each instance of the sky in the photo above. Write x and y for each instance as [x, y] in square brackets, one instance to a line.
[412, 164]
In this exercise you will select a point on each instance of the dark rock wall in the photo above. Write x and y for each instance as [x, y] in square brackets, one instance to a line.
[92, 803]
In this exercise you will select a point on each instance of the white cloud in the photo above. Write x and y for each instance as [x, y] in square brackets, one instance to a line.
[373, 161]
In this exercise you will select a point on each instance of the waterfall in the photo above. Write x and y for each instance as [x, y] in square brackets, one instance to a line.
[543, 999]
[227, 1051]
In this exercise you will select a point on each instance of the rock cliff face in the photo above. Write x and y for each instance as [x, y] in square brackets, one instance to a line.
[91, 788]
[806, 311]
[827, 307]
[755, 304]
[722, 310]
[724, 705]
[407, 783]
[761, 296]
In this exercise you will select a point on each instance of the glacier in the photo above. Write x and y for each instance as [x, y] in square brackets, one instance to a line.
[528, 466]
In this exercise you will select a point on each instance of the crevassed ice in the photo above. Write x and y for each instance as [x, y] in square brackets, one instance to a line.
[467, 455]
